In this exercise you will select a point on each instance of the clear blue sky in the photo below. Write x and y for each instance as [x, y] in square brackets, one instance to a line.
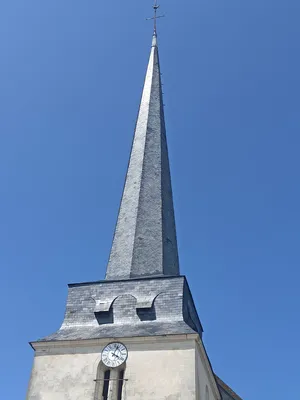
[71, 74]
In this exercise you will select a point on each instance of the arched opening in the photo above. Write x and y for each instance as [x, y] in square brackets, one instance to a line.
[103, 381]
[109, 383]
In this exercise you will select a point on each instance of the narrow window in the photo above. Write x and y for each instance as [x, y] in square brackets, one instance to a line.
[206, 393]
[106, 385]
[120, 384]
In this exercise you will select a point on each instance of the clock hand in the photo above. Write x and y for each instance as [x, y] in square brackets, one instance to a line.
[116, 349]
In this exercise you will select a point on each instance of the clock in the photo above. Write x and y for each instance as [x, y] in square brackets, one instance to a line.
[114, 354]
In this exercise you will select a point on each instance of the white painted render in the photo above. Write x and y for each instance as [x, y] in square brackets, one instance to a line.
[203, 378]
[158, 369]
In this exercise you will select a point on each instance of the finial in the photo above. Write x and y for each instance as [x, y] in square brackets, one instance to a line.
[154, 40]
[155, 17]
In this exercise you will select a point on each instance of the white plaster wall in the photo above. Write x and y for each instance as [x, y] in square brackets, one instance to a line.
[62, 376]
[157, 370]
[161, 374]
[203, 379]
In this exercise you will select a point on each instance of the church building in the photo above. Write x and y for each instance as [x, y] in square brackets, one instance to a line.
[136, 335]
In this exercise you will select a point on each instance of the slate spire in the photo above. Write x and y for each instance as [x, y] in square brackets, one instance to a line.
[145, 242]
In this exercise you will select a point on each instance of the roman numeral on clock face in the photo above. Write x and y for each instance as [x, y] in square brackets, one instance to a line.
[114, 354]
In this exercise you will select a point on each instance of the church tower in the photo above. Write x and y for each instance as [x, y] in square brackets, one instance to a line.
[135, 335]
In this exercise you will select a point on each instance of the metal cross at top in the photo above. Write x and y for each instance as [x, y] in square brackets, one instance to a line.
[155, 17]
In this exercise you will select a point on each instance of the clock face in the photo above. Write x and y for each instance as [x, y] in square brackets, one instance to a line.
[114, 355]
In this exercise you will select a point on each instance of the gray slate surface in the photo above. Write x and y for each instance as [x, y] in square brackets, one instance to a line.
[168, 299]
[145, 241]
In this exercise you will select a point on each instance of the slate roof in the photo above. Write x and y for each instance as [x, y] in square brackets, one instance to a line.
[128, 308]
[143, 293]
[226, 391]
[145, 241]
[119, 331]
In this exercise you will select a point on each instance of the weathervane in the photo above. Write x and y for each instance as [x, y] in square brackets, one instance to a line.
[155, 17]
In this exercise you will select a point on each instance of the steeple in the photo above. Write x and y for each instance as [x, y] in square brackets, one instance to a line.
[145, 242]
[137, 333]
